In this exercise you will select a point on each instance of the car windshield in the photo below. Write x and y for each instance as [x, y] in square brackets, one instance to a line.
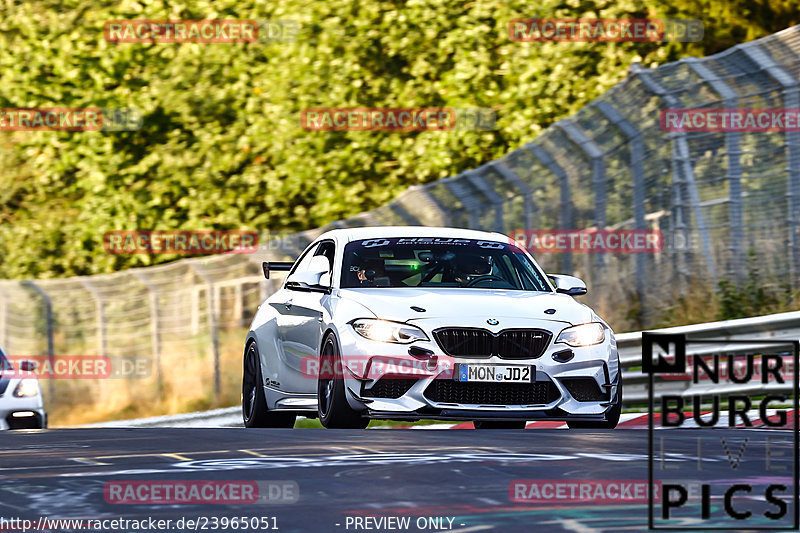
[439, 262]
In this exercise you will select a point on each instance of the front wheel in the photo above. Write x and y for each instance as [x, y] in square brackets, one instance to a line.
[254, 405]
[612, 416]
[332, 406]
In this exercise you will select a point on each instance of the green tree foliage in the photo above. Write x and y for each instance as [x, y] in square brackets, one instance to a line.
[221, 146]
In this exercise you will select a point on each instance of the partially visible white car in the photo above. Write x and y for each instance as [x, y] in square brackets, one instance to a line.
[21, 404]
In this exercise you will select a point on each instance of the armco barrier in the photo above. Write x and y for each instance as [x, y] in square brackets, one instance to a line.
[782, 326]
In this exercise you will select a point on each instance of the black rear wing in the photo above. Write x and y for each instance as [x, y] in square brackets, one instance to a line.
[276, 266]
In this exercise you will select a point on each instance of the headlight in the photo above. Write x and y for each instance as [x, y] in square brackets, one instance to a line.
[583, 335]
[385, 331]
[27, 387]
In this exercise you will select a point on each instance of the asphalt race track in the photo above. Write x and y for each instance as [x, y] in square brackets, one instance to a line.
[462, 475]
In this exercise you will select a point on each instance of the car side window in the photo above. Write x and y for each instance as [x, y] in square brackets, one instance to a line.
[327, 249]
[302, 265]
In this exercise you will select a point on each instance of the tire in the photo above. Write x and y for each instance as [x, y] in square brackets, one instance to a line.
[332, 406]
[499, 424]
[254, 405]
[612, 416]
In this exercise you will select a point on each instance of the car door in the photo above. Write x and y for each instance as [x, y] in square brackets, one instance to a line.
[300, 326]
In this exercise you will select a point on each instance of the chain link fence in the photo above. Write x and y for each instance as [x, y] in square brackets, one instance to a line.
[718, 198]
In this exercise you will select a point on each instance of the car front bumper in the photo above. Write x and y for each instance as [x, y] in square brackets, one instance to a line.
[21, 413]
[595, 367]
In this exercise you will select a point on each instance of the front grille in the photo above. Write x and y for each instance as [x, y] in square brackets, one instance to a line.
[508, 344]
[449, 391]
[388, 387]
[585, 389]
[465, 342]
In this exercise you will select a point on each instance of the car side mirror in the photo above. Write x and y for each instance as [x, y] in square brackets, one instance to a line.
[317, 274]
[568, 284]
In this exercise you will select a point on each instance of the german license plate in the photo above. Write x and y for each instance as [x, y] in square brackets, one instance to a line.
[496, 373]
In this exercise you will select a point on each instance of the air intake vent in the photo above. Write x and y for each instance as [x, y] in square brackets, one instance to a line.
[448, 391]
[585, 389]
[388, 387]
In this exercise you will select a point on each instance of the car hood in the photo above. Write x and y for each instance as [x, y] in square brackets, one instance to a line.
[395, 304]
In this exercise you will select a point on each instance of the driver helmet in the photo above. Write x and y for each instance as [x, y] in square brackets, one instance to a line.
[474, 265]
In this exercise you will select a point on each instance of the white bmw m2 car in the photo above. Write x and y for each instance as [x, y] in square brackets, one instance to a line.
[407, 323]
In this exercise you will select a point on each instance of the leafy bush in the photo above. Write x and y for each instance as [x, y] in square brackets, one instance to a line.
[221, 146]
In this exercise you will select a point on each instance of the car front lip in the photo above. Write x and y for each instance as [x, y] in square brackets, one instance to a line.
[415, 400]
[485, 414]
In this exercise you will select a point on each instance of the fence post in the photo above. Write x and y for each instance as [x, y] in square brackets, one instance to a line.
[682, 166]
[595, 155]
[791, 100]
[212, 323]
[434, 201]
[238, 304]
[195, 319]
[566, 200]
[495, 199]
[734, 172]
[456, 188]
[100, 314]
[402, 212]
[637, 173]
[155, 337]
[48, 308]
[526, 190]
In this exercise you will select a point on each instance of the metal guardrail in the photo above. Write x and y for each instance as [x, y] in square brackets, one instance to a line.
[778, 327]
